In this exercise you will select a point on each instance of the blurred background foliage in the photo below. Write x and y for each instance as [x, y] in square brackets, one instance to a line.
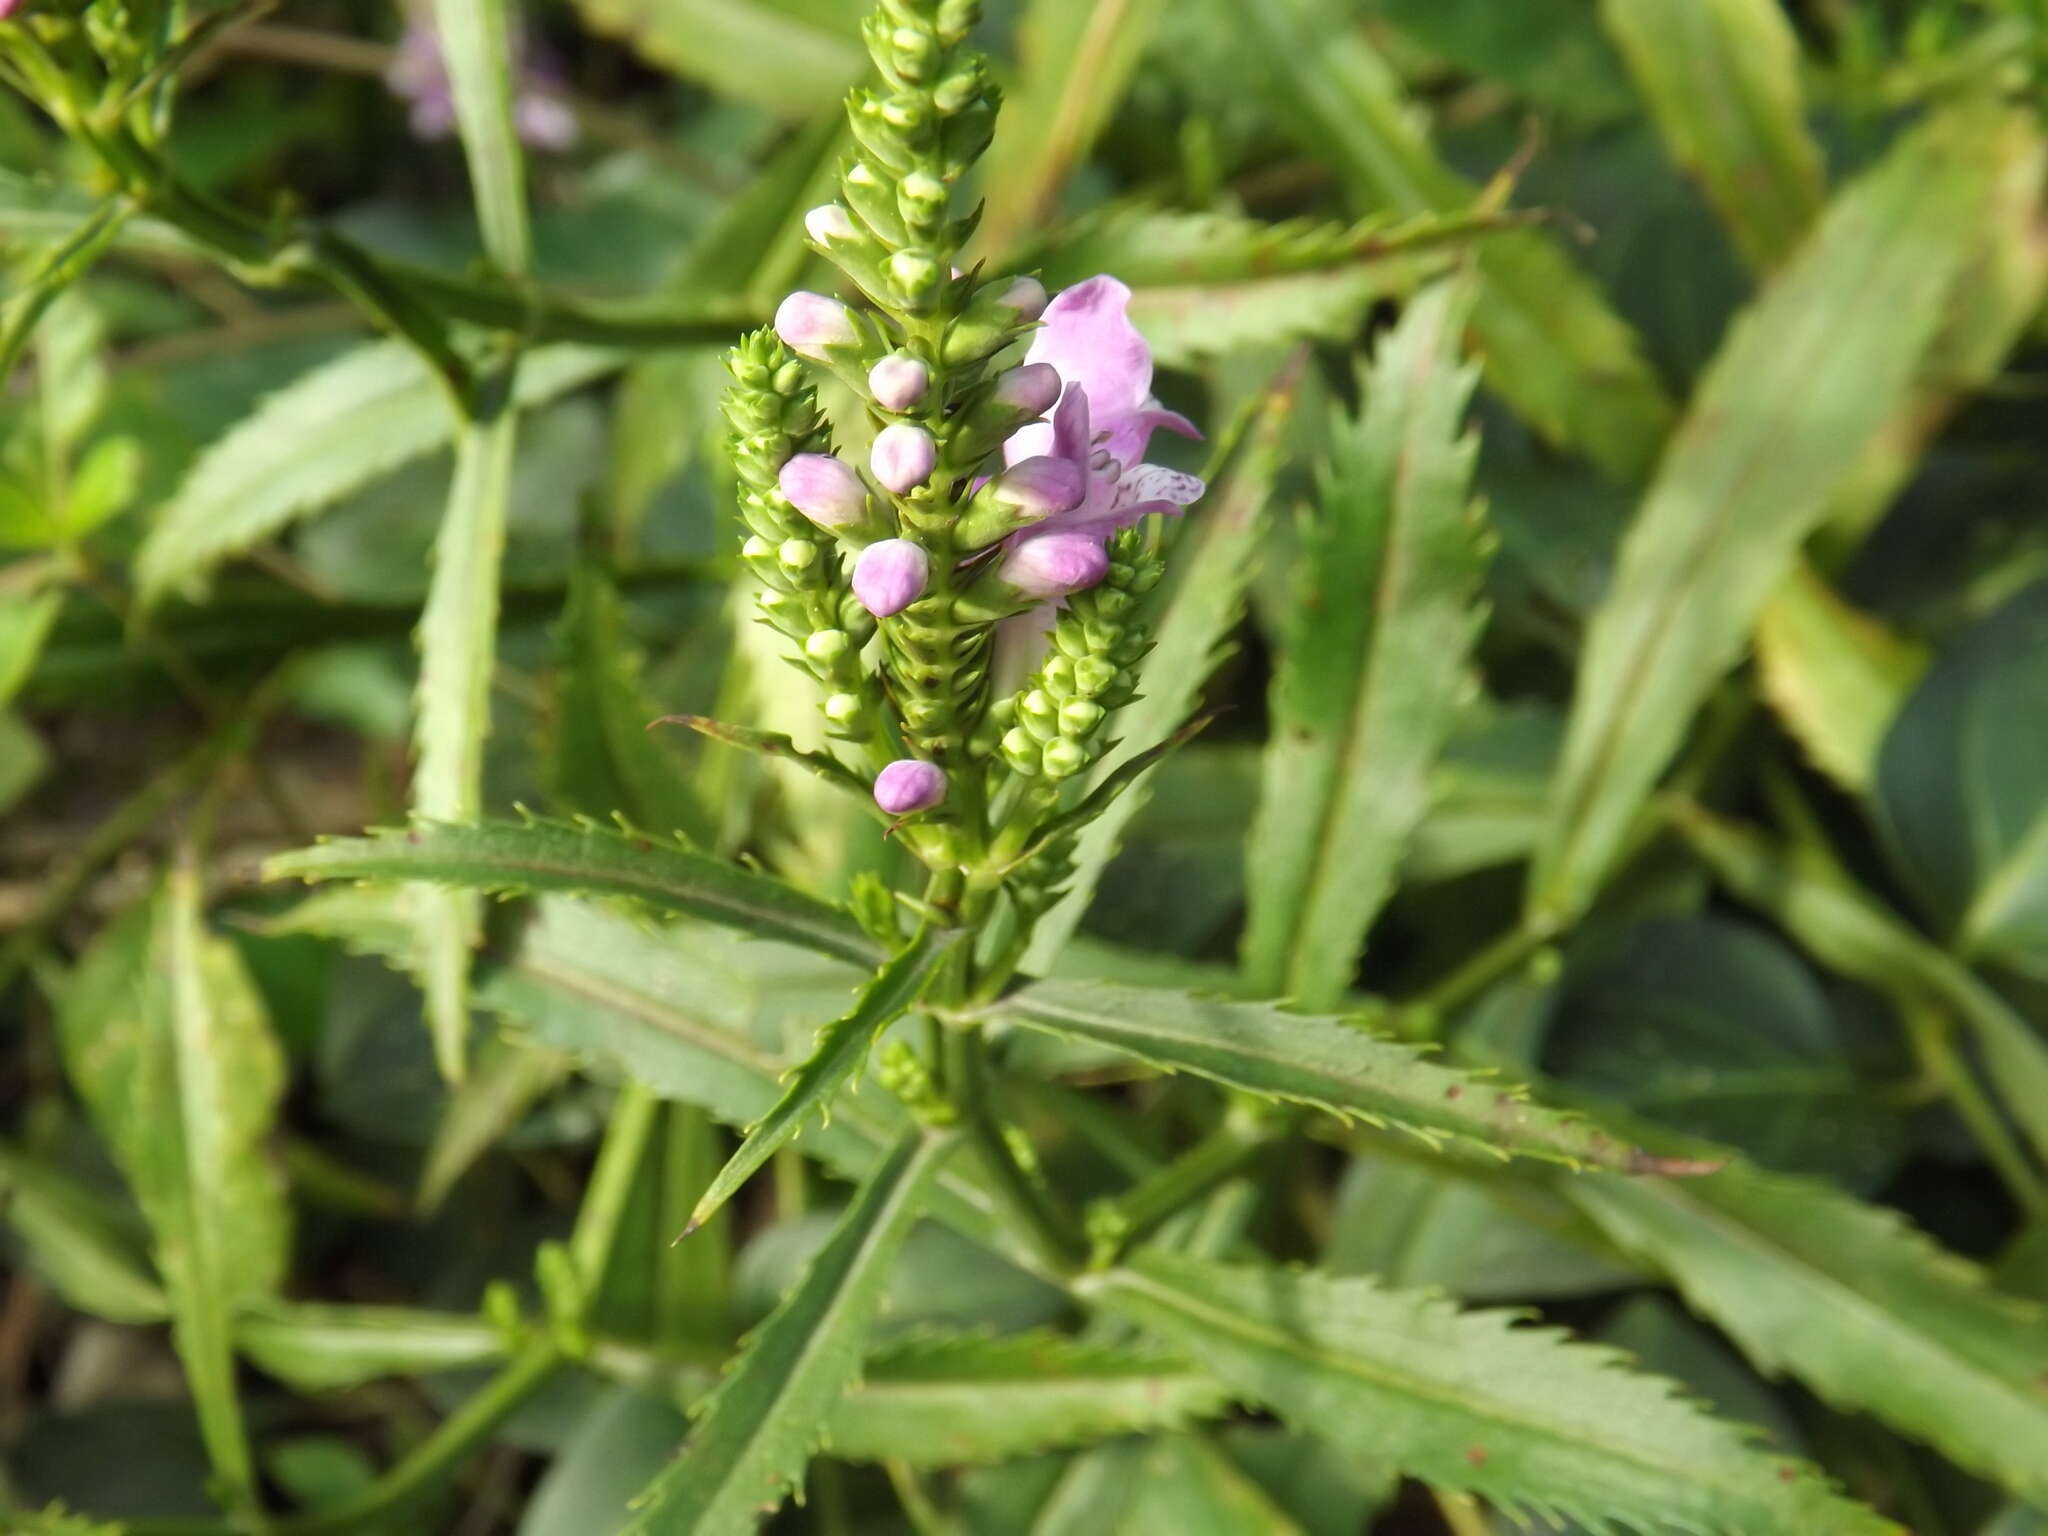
[1823, 942]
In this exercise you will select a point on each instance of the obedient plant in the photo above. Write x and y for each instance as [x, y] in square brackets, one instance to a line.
[887, 1198]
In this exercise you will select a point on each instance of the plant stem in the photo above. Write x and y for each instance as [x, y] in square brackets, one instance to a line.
[1211, 1162]
[1928, 1029]
[1422, 1017]
[1050, 1230]
[611, 1183]
[441, 1452]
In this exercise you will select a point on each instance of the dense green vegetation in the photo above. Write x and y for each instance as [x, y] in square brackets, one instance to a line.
[1490, 972]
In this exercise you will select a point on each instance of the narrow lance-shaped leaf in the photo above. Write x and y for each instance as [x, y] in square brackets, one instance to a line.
[534, 856]
[475, 38]
[1721, 78]
[1804, 381]
[458, 637]
[1852, 1301]
[1329, 1063]
[76, 1244]
[1370, 664]
[949, 1400]
[165, 1037]
[1075, 60]
[603, 760]
[326, 434]
[1834, 676]
[1212, 566]
[1207, 284]
[841, 1048]
[508, 1079]
[1551, 345]
[1475, 1401]
[758, 1430]
[1849, 931]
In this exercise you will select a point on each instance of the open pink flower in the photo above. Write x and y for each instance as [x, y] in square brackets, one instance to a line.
[1105, 417]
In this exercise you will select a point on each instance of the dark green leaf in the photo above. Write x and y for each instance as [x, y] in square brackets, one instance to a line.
[792, 56]
[1962, 786]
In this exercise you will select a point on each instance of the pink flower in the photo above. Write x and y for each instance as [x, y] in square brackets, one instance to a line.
[898, 382]
[808, 323]
[824, 489]
[1105, 417]
[1054, 564]
[890, 575]
[418, 74]
[908, 786]
[903, 457]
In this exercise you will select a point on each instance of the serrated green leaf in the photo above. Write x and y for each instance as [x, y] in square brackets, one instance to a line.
[951, 1400]
[1212, 566]
[1722, 81]
[76, 1244]
[1472, 1401]
[1203, 284]
[620, 994]
[1847, 1297]
[1962, 789]
[1834, 675]
[458, 643]
[757, 1431]
[1365, 689]
[794, 57]
[165, 1037]
[1850, 932]
[840, 1050]
[1075, 59]
[327, 433]
[1185, 1486]
[1801, 386]
[1328, 1063]
[604, 760]
[536, 856]
[1551, 345]
[475, 38]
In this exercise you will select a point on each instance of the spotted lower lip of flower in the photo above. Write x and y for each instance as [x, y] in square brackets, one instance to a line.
[1047, 565]
[908, 786]
[890, 575]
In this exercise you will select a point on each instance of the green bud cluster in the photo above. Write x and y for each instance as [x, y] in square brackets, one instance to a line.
[772, 408]
[1053, 725]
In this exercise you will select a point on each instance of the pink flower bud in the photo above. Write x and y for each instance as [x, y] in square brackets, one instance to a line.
[903, 457]
[1026, 295]
[1035, 388]
[828, 222]
[898, 382]
[7, 8]
[1041, 487]
[810, 322]
[908, 786]
[824, 490]
[890, 575]
[1054, 564]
